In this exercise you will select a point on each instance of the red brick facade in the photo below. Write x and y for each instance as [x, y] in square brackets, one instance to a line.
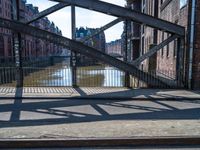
[5, 34]
[170, 10]
[31, 47]
[179, 12]
[114, 47]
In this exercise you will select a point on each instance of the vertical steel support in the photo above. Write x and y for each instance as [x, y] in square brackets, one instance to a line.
[73, 54]
[180, 62]
[127, 75]
[17, 45]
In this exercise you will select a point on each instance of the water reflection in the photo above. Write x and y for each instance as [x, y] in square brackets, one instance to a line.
[61, 75]
[113, 77]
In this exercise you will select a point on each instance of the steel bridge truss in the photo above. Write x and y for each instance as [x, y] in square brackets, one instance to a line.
[22, 26]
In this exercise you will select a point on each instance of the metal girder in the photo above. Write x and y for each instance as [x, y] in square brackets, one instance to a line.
[73, 54]
[125, 51]
[45, 12]
[17, 45]
[180, 61]
[81, 48]
[152, 51]
[126, 13]
[107, 26]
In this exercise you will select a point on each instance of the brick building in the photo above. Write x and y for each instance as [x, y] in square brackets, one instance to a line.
[31, 46]
[98, 42]
[165, 61]
[114, 47]
[34, 46]
[5, 34]
[177, 12]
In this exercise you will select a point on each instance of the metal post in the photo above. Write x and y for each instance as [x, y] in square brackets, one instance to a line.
[17, 45]
[127, 75]
[73, 54]
[180, 62]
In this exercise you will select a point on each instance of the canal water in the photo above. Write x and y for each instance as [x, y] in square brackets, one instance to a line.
[60, 74]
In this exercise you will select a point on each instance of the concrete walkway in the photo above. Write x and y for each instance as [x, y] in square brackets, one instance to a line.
[88, 118]
[95, 92]
[48, 113]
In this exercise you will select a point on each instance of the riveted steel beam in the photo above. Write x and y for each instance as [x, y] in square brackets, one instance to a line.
[73, 54]
[83, 49]
[153, 50]
[46, 12]
[17, 45]
[126, 13]
[180, 74]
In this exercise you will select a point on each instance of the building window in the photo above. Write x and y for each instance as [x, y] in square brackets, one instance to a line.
[175, 44]
[142, 46]
[183, 3]
[175, 48]
[167, 47]
[81, 35]
[9, 47]
[162, 50]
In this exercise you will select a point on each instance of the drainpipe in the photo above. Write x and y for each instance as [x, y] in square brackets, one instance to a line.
[191, 42]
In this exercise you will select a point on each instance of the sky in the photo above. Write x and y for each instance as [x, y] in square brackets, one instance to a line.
[84, 18]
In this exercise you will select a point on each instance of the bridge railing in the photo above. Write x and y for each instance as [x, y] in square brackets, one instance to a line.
[61, 76]
[91, 76]
[168, 76]
[8, 76]
[56, 72]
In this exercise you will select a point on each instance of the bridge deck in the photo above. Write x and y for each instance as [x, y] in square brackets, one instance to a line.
[87, 118]
[97, 92]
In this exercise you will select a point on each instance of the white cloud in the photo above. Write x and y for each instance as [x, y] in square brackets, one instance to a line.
[62, 18]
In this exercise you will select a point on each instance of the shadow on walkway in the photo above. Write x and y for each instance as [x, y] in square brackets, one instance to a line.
[67, 111]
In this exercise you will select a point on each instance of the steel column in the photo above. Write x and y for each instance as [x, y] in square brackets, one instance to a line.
[127, 75]
[180, 62]
[73, 54]
[17, 45]
[45, 13]
[126, 13]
